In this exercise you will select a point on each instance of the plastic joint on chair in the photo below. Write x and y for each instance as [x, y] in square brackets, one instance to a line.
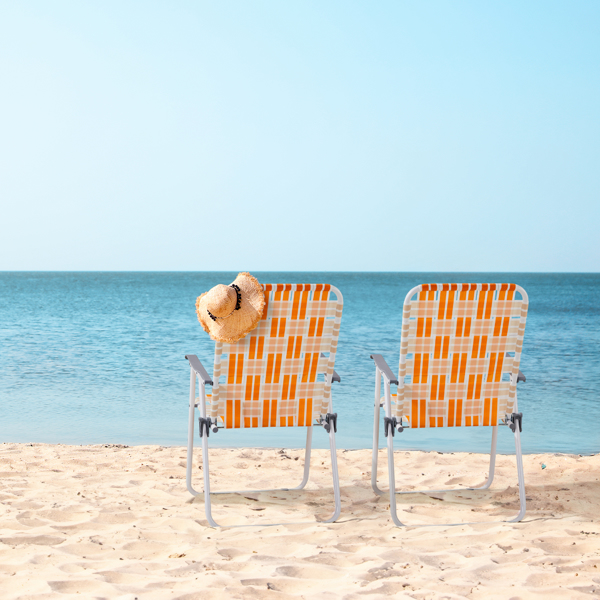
[330, 418]
[204, 423]
[514, 419]
[392, 423]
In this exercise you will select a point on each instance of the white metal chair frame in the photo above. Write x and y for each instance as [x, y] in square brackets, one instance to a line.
[514, 421]
[328, 422]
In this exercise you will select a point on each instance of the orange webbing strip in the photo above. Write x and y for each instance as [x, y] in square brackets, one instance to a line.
[425, 368]
[229, 413]
[498, 376]
[290, 347]
[269, 374]
[273, 422]
[492, 366]
[231, 369]
[309, 406]
[240, 369]
[470, 387]
[321, 324]
[486, 411]
[455, 363]
[463, 367]
[497, 326]
[434, 385]
[423, 413]
[450, 307]
[458, 412]
[301, 411]
[313, 370]
[442, 304]
[303, 305]
[278, 357]
[238, 413]
[417, 368]
[306, 368]
[450, 414]
[295, 304]
[483, 348]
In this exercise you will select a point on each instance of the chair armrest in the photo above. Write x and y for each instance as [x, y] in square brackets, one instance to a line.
[200, 370]
[384, 368]
[335, 377]
[521, 377]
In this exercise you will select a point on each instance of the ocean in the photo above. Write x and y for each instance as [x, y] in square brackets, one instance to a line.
[95, 357]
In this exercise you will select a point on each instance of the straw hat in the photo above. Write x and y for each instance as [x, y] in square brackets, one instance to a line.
[229, 312]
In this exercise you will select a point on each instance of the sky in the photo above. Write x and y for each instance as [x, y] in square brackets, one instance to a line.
[300, 135]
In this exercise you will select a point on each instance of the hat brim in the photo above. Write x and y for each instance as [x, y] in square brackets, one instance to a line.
[241, 322]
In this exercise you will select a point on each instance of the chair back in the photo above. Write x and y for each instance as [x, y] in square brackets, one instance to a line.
[280, 374]
[460, 353]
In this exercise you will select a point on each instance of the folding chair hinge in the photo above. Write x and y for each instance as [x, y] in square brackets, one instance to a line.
[330, 418]
[205, 423]
[514, 419]
[392, 423]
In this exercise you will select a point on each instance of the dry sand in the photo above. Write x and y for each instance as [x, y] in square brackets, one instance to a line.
[117, 522]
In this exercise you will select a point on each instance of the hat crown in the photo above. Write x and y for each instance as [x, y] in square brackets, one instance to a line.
[221, 300]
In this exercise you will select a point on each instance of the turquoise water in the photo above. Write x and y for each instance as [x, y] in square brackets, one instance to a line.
[91, 358]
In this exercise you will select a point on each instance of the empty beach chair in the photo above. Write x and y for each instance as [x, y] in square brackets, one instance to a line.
[279, 375]
[459, 366]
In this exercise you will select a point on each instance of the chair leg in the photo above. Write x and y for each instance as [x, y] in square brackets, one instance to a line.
[521, 477]
[205, 470]
[336, 479]
[392, 479]
[309, 432]
[374, 455]
[492, 468]
[190, 448]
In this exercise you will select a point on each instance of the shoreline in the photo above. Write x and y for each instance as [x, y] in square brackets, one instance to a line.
[111, 520]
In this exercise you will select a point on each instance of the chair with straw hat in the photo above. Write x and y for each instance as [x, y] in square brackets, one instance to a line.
[275, 348]
[460, 353]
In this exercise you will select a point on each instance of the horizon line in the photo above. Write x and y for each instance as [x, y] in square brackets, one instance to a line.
[293, 271]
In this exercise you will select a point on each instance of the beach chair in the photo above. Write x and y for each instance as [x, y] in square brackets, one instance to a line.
[279, 375]
[459, 366]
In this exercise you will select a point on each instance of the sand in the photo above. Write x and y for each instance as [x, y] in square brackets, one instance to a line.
[117, 522]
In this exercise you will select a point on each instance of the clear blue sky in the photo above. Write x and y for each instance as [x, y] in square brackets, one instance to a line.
[402, 136]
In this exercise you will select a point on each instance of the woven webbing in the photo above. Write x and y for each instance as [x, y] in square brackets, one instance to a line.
[461, 343]
[276, 376]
